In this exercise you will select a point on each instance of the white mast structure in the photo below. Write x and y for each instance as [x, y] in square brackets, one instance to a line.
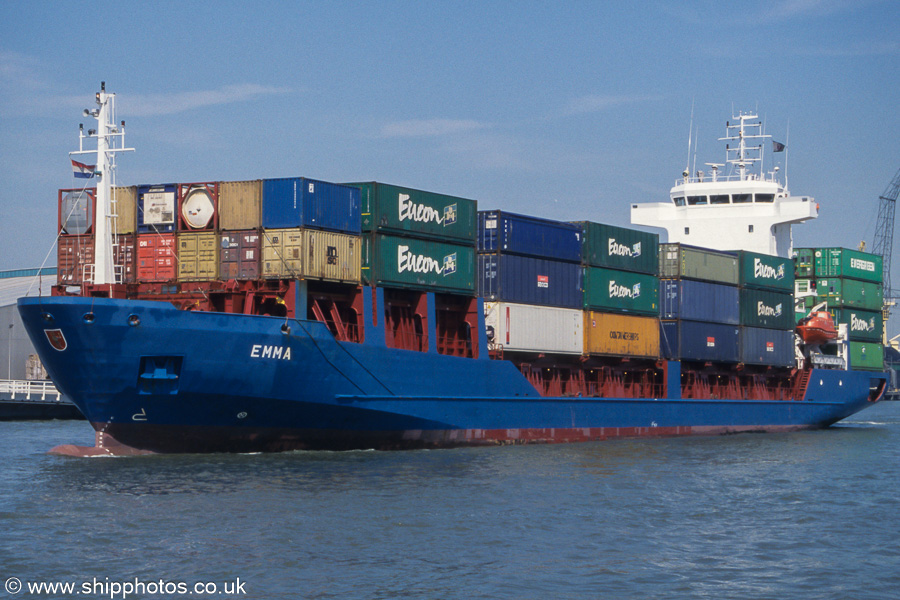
[744, 209]
[110, 141]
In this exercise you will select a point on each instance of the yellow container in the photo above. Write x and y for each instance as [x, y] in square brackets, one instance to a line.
[198, 256]
[621, 335]
[126, 208]
[240, 204]
[310, 254]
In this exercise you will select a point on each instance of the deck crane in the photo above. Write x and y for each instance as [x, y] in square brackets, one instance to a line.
[884, 240]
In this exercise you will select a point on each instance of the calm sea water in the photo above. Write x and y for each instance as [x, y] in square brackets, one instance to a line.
[803, 515]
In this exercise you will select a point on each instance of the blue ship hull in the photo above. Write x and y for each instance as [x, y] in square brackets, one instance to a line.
[151, 378]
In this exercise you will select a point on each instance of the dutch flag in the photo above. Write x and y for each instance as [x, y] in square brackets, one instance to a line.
[83, 171]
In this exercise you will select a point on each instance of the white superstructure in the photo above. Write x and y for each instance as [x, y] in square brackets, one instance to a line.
[742, 209]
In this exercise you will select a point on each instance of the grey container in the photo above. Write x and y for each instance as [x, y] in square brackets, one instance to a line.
[679, 261]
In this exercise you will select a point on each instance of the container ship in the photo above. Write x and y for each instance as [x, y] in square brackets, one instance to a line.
[294, 313]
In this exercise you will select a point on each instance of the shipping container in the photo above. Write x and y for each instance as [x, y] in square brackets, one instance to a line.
[310, 254]
[850, 293]
[862, 325]
[76, 210]
[240, 205]
[124, 253]
[804, 262]
[852, 264]
[301, 202]
[198, 255]
[609, 334]
[526, 328]
[156, 257]
[239, 254]
[417, 264]
[621, 291]
[619, 248]
[509, 233]
[157, 206]
[699, 301]
[866, 356]
[770, 347]
[763, 271]
[198, 206]
[125, 208]
[678, 260]
[529, 280]
[75, 259]
[405, 211]
[696, 340]
[804, 286]
[767, 308]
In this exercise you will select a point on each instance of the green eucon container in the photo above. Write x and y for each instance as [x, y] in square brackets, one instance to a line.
[852, 293]
[866, 356]
[862, 325]
[677, 261]
[767, 308]
[411, 263]
[393, 209]
[853, 264]
[804, 262]
[621, 291]
[764, 271]
[619, 248]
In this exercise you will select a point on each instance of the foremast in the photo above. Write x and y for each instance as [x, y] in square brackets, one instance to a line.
[110, 141]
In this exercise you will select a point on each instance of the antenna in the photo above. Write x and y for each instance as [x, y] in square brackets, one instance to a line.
[687, 167]
[787, 149]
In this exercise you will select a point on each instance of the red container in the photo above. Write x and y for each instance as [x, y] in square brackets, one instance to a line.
[124, 254]
[76, 211]
[198, 206]
[239, 255]
[75, 255]
[156, 260]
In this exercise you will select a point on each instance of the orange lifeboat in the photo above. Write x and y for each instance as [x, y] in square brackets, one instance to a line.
[817, 328]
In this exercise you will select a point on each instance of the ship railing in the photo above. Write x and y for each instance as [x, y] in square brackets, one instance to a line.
[706, 178]
[30, 391]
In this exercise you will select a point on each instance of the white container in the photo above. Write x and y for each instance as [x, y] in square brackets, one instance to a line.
[526, 328]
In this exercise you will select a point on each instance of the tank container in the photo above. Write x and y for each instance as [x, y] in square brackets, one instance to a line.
[866, 356]
[619, 248]
[239, 254]
[509, 233]
[76, 210]
[852, 264]
[699, 301]
[862, 325]
[240, 205]
[677, 260]
[310, 253]
[621, 291]
[850, 293]
[529, 280]
[157, 205]
[300, 202]
[409, 212]
[198, 255]
[767, 308]
[771, 347]
[527, 328]
[763, 271]
[412, 263]
[695, 340]
[610, 334]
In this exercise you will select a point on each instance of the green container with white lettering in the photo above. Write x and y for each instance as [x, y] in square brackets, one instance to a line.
[866, 356]
[621, 291]
[850, 293]
[425, 265]
[769, 309]
[763, 271]
[405, 211]
[862, 325]
[852, 264]
[619, 248]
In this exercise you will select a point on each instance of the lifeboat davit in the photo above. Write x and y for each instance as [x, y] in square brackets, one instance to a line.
[817, 328]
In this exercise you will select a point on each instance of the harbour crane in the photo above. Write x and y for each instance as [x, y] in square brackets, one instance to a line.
[883, 242]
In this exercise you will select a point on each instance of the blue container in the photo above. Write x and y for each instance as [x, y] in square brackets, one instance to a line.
[699, 301]
[696, 340]
[508, 233]
[771, 347]
[157, 208]
[301, 202]
[527, 280]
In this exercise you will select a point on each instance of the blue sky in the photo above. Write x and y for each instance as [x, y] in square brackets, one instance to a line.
[567, 110]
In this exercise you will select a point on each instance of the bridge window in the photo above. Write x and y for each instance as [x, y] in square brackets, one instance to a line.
[679, 201]
[750, 228]
[719, 199]
[692, 200]
[687, 230]
[741, 198]
[765, 197]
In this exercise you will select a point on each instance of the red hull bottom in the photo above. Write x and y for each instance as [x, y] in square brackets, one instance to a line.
[193, 440]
